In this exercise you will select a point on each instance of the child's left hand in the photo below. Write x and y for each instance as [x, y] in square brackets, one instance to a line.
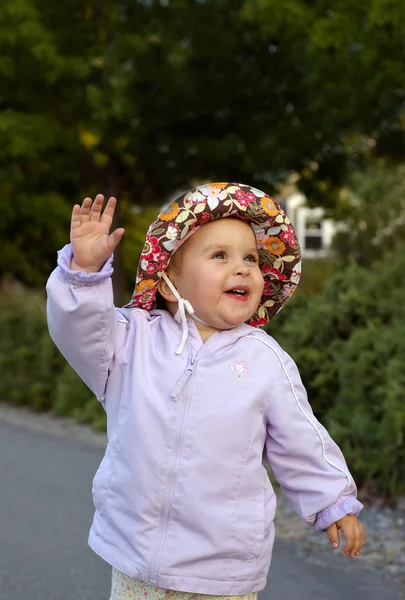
[353, 531]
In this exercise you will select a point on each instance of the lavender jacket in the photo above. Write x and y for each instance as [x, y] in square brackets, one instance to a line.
[182, 499]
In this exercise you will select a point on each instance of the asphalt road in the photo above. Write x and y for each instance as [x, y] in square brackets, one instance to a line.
[46, 510]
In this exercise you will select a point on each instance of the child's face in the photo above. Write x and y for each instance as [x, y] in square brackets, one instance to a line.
[218, 259]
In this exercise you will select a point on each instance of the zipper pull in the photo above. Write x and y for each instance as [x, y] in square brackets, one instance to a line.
[181, 384]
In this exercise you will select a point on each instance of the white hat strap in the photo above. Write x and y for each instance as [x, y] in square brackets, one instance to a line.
[180, 316]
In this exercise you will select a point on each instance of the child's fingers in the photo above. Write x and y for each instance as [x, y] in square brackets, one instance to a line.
[96, 208]
[360, 541]
[76, 219]
[333, 535]
[362, 536]
[108, 213]
[115, 238]
[353, 541]
[350, 542]
[85, 209]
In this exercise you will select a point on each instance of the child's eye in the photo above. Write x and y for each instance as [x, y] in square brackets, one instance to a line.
[219, 255]
[252, 258]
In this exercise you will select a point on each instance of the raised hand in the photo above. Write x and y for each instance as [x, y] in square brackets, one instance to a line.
[90, 235]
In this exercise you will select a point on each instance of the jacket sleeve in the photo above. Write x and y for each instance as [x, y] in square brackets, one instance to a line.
[82, 320]
[305, 461]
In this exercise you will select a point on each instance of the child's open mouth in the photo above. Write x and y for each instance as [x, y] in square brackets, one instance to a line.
[239, 293]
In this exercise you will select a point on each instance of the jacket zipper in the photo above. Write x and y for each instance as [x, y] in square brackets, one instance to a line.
[184, 384]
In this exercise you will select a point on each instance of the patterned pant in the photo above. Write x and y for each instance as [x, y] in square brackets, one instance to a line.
[129, 588]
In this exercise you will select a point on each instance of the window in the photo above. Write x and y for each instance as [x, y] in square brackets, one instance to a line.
[313, 234]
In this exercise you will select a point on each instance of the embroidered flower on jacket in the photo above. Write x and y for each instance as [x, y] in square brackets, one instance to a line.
[239, 368]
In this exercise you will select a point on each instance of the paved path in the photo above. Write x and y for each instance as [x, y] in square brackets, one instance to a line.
[46, 511]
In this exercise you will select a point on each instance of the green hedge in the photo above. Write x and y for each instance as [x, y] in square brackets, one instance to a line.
[33, 371]
[349, 345]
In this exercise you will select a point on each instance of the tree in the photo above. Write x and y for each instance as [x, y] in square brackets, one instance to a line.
[351, 92]
[139, 99]
[372, 210]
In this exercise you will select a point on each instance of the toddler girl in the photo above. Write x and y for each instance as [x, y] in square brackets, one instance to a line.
[194, 393]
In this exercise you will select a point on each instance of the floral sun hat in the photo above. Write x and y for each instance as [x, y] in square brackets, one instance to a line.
[279, 252]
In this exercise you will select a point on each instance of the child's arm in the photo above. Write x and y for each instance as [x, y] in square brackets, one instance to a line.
[306, 462]
[82, 319]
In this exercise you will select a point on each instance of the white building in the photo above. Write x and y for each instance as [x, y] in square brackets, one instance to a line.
[313, 231]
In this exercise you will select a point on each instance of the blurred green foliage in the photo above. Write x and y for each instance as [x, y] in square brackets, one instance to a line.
[372, 211]
[139, 99]
[349, 345]
[71, 397]
[28, 358]
[33, 372]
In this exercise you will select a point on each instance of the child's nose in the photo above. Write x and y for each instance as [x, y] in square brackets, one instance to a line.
[241, 268]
